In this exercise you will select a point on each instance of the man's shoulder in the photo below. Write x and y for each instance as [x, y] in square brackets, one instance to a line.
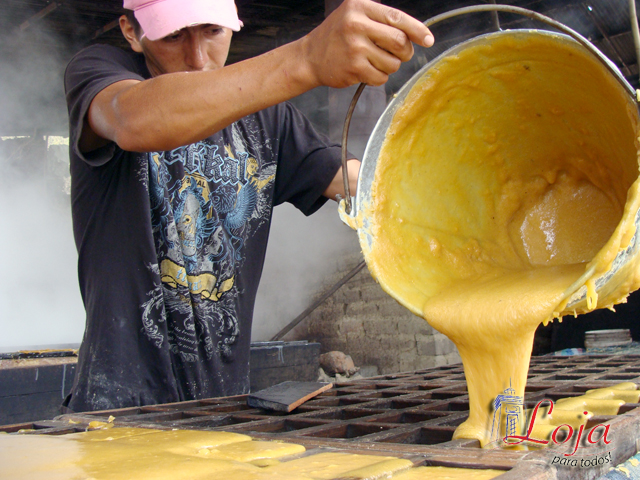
[104, 48]
[99, 50]
[108, 54]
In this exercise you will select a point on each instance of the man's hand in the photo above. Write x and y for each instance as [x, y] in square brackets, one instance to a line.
[362, 42]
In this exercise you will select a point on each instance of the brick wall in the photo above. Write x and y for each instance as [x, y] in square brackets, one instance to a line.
[363, 321]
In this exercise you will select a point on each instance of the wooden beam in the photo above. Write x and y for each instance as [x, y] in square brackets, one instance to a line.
[607, 39]
[41, 14]
[109, 26]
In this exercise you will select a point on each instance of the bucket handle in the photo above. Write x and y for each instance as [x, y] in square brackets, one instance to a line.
[475, 9]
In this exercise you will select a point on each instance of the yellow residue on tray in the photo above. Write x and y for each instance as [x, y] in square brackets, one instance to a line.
[125, 453]
[254, 450]
[98, 425]
[576, 411]
[626, 391]
[601, 401]
[508, 180]
[446, 473]
[338, 464]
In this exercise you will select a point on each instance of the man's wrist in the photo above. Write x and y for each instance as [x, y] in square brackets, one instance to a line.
[305, 73]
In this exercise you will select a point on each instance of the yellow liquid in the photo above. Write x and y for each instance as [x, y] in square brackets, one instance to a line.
[507, 181]
[326, 466]
[576, 411]
[119, 453]
[127, 453]
[446, 473]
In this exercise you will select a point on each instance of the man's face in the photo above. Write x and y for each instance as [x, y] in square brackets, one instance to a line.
[192, 49]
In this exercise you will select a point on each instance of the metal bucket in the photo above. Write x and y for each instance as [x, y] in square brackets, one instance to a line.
[611, 285]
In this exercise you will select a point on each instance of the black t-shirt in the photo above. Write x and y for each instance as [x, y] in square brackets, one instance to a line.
[171, 244]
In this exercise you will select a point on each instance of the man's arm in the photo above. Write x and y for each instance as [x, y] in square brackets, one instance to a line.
[336, 187]
[361, 41]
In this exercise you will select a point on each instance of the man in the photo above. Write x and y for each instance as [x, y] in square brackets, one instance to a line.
[176, 163]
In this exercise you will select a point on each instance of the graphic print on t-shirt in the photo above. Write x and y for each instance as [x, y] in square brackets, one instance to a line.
[202, 200]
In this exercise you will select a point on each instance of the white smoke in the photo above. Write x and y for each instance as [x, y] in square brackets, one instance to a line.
[40, 303]
[305, 254]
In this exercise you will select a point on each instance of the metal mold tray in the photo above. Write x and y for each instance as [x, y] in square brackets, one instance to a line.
[411, 415]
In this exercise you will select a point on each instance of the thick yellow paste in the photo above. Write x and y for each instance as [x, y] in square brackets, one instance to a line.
[446, 473]
[324, 466]
[125, 453]
[576, 411]
[507, 181]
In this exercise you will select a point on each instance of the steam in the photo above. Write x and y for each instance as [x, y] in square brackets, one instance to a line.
[40, 303]
[302, 255]
[305, 253]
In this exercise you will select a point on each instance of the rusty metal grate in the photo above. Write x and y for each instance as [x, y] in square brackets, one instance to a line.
[411, 414]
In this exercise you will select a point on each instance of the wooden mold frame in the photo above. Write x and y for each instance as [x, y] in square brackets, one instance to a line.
[410, 415]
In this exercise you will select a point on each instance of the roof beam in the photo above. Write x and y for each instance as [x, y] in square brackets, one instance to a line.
[109, 26]
[41, 14]
[607, 39]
